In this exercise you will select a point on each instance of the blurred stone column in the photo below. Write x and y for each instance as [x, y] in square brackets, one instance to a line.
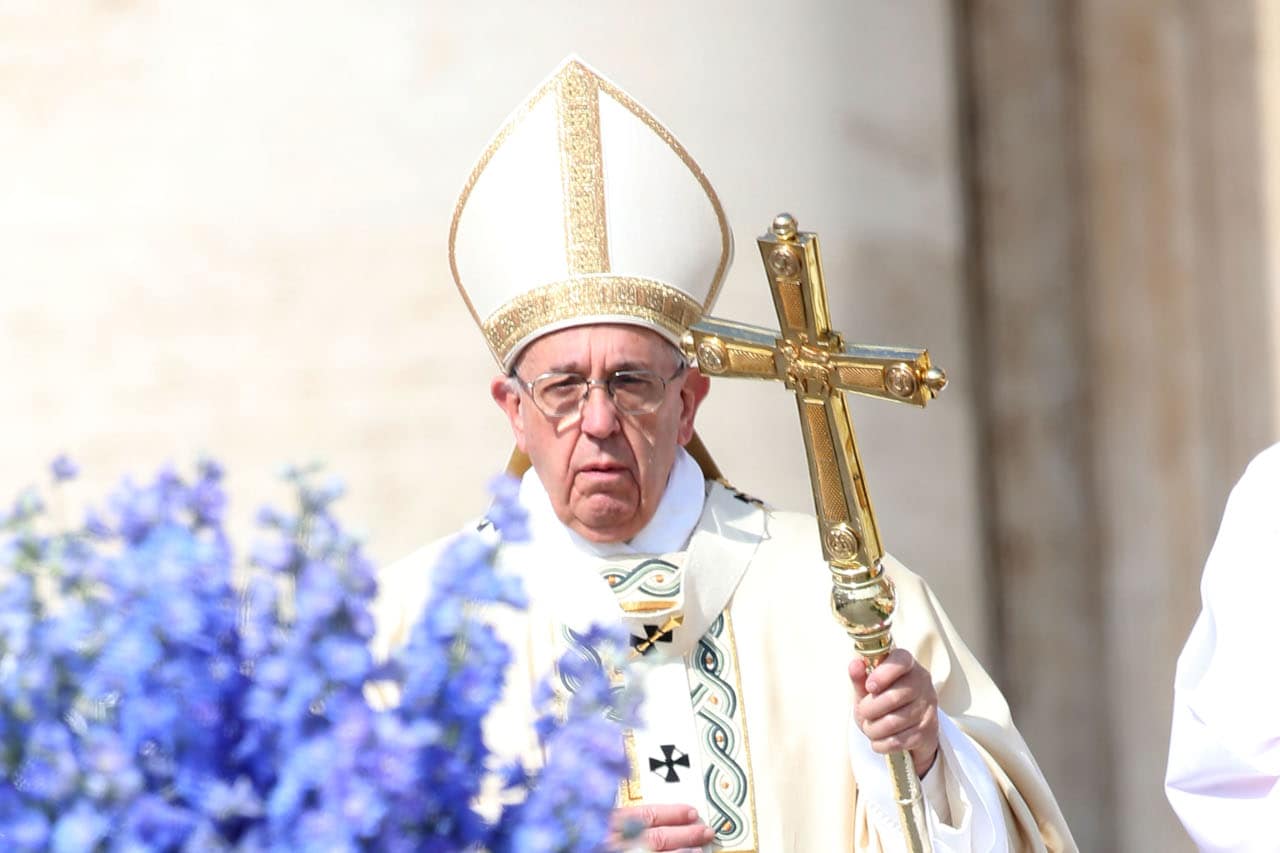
[1122, 320]
[1020, 149]
[1177, 292]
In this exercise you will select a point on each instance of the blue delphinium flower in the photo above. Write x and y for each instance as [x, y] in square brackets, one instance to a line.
[581, 726]
[63, 468]
[148, 703]
[118, 657]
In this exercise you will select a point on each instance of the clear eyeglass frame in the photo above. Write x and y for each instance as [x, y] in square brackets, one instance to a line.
[632, 392]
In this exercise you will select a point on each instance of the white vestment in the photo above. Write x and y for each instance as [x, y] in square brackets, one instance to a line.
[748, 705]
[1223, 778]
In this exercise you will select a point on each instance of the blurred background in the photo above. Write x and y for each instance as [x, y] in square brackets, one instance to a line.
[223, 226]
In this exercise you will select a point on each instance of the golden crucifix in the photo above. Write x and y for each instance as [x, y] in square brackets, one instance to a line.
[814, 362]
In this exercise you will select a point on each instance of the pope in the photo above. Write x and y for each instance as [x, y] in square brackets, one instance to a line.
[585, 243]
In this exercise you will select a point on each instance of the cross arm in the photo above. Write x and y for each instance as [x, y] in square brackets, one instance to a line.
[726, 348]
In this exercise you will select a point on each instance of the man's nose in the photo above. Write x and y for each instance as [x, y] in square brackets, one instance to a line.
[599, 415]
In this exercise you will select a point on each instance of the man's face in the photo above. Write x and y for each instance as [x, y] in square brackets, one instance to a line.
[605, 471]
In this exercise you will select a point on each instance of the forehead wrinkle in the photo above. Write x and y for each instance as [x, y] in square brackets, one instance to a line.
[577, 350]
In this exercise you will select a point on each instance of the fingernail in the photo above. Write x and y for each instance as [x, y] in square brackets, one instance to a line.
[691, 815]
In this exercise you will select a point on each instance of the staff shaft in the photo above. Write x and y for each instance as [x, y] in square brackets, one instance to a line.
[812, 360]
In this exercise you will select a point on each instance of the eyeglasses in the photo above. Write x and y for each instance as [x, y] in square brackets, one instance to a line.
[633, 392]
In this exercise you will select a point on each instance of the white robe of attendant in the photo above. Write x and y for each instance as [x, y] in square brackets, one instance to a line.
[1223, 778]
[803, 776]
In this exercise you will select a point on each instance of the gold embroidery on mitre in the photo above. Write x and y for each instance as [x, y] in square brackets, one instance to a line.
[582, 173]
[649, 301]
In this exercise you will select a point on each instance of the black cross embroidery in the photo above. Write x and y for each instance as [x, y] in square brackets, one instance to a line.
[652, 634]
[671, 757]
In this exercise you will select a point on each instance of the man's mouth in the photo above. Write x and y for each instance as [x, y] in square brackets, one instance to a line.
[602, 469]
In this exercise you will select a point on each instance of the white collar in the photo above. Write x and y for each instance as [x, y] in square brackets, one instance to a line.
[668, 531]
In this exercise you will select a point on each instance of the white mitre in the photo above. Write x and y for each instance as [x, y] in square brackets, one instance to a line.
[585, 209]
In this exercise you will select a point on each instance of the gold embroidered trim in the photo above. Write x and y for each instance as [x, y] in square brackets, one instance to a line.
[582, 173]
[746, 737]
[582, 299]
[630, 792]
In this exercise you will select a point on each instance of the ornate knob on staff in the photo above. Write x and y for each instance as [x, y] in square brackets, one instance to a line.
[812, 360]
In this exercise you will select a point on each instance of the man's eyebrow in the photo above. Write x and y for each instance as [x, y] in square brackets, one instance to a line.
[565, 367]
[629, 365]
[578, 368]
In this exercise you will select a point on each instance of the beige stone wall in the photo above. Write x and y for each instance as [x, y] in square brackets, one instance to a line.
[224, 230]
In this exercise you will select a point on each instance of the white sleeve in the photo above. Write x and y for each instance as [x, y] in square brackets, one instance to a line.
[969, 818]
[1223, 779]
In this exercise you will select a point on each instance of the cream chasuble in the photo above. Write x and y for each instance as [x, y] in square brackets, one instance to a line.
[747, 711]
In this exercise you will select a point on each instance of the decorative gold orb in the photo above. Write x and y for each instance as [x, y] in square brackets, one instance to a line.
[784, 226]
[935, 379]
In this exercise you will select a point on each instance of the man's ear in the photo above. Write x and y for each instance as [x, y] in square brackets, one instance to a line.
[507, 396]
[692, 393]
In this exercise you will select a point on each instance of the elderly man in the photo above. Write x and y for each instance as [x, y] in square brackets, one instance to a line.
[586, 241]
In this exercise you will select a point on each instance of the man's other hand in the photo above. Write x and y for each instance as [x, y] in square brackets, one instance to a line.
[665, 827]
[897, 707]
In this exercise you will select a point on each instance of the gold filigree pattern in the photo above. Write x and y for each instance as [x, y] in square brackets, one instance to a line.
[601, 296]
[860, 377]
[792, 306]
[825, 462]
[752, 361]
[582, 173]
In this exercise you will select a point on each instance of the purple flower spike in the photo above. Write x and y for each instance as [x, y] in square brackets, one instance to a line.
[506, 513]
[63, 468]
[165, 707]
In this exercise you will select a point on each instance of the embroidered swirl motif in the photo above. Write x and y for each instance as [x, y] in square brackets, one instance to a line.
[721, 728]
[654, 577]
[577, 643]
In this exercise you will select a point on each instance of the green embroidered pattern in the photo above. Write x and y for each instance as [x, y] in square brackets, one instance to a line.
[578, 644]
[721, 729]
[654, 577]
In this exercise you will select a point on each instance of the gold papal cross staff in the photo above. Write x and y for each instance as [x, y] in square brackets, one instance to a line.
[814, 362]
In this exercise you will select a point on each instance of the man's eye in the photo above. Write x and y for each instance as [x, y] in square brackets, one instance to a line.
[632, 381]
[563, 385]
